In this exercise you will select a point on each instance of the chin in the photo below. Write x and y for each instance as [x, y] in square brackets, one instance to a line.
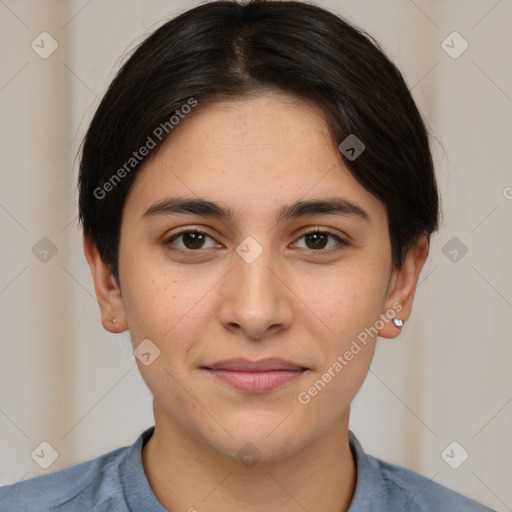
[256, 449]
[264, 437]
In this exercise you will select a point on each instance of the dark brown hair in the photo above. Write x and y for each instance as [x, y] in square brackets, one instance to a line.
[229, 49]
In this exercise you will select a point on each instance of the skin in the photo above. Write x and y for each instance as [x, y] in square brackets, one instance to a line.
[295, 301]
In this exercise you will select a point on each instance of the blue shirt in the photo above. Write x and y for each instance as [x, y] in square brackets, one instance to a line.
[116, 482]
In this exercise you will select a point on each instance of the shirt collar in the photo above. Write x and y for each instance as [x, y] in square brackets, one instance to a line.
[369, 485]
[138, 492]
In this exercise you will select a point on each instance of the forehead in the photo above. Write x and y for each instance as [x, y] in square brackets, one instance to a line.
[258, 132]
[266, 150]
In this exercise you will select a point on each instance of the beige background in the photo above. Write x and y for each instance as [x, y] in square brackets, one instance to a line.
[64, 380]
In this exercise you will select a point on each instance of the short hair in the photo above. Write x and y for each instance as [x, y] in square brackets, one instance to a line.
[228, 49]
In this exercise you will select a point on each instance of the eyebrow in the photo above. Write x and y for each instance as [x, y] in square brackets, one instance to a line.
[301, 208]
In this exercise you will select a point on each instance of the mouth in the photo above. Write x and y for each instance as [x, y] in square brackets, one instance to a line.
[255, 376]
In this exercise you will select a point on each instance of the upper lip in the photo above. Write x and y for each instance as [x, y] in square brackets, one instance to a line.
[262, 365]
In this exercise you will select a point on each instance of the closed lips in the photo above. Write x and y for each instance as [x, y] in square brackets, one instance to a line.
[264, 365]
[255, 377]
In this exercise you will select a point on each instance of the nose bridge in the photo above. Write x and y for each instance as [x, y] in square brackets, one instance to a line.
[254, 280]
[255, 299]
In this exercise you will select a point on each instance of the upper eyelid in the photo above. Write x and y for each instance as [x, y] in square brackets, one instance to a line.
[319, 229]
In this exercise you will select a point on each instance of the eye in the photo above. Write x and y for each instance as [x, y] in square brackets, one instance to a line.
[190, 240]
[318, 240]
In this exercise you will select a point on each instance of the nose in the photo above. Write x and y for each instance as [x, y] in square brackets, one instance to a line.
[256, 300]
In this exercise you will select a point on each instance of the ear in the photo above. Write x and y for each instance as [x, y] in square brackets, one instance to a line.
[402, 287]
[108, 293]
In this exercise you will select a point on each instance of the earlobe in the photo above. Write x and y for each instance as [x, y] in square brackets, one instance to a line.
[403, 287]
[108, 294]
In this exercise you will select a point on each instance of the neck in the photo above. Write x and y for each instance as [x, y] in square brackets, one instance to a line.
[187, 474]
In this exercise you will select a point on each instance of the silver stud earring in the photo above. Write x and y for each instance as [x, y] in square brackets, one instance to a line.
[114, 321]
[398, 322]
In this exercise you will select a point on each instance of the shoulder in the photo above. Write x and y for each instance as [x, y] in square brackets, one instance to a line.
[382, 487]
[423, 494]
[92, 485]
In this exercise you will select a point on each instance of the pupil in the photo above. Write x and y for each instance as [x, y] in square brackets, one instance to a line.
[316, 238]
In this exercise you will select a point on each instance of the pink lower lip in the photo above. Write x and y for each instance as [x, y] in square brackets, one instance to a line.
[256, 382]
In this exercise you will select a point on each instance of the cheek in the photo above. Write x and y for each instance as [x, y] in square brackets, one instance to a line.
[347, 299]
[168, 308]
[350, 303]
[159, 299]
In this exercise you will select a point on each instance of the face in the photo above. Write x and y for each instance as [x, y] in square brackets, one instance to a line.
[247, 275]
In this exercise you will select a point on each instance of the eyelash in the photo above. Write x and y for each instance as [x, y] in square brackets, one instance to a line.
[168, 242]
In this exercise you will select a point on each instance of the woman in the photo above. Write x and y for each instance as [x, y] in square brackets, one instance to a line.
[257, 194]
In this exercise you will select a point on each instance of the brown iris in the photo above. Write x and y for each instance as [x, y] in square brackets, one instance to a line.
[318, 240]
[193, 240]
